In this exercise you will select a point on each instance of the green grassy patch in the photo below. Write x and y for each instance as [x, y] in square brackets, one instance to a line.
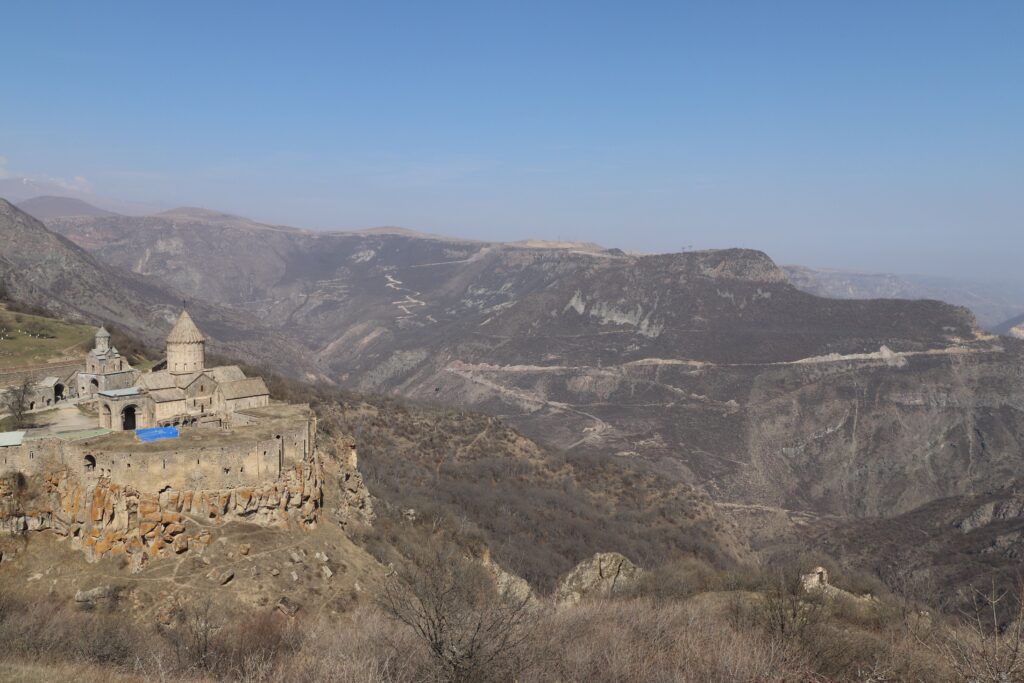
[27, 340]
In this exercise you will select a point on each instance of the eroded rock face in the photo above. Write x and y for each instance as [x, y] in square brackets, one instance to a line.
[603, 575]
[992, 511]
[107, 519]
[355, 503]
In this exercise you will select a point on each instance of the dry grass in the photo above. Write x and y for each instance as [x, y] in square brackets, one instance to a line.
[44, 672]
[709, 637]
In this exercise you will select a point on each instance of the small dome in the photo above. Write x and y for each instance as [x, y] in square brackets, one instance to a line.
[102, 332]
[185, 331]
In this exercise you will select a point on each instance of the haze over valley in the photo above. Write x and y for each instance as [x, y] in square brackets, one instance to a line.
[525, 343]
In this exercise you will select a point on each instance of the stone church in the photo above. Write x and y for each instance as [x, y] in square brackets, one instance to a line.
[185, 393]
[105, 369]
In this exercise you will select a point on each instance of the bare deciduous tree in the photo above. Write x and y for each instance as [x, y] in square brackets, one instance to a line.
[788, 610]
[192, 636]
[16, 402]
[473, 632]
[989, 646]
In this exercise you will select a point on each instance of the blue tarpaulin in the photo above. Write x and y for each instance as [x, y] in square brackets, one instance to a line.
[156, 433]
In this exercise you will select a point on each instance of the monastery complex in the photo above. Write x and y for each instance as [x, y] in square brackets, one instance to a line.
[151, 450]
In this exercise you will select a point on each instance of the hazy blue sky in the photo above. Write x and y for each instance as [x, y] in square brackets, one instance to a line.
[880, 135]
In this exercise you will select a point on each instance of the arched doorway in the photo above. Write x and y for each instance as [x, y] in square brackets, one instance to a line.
[128, 418]
[94, 386]
[58, 392]
[90, 463]
[105, 419]
[31, 405]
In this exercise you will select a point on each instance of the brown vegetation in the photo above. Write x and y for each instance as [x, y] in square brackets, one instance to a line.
[440, 621]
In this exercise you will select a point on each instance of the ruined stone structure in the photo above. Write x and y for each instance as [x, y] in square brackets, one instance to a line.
[185, 394]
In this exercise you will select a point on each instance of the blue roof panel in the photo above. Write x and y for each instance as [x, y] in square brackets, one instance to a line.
[156, 434]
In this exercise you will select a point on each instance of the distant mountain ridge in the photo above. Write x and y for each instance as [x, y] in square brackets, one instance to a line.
[992, 303]
[47, 207]
[16, 190]
[1013, 327]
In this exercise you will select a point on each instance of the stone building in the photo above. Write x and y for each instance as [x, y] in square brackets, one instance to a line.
[105, 369]
[112, 492]
[186, 393]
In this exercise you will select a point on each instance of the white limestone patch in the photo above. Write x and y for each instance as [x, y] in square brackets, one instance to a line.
[576, 303]
[609, 314]
[363, 256]
[483, 299]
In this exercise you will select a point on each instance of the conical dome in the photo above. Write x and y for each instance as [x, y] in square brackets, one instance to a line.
[185, 331]
[102, 332]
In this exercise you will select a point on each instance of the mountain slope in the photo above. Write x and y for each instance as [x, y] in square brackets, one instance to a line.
[704, 368]
[1013, 327]
[43, 269]
[991, 302]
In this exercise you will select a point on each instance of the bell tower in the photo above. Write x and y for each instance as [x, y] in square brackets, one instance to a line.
[102, 341]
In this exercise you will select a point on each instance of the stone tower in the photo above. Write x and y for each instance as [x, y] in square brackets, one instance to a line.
[102, 341]
[186, 347]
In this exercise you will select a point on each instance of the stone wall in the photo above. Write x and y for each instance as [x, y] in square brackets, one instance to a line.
[63, 369]
[245, 462]
[148, 502]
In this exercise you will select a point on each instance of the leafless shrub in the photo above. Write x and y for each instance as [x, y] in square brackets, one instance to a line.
[473, 632]
[787, 611]
[643, 640]
[985, 646]
[191, 636]
[363, 647]
[248, 649]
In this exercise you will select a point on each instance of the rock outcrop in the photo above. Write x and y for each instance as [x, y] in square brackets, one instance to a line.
[603, 575]
[107, 519]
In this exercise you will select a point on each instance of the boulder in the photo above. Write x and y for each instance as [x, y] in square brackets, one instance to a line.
[221, 577]
[94, 594]
[603, 575]
[180, 544]
[288, 607]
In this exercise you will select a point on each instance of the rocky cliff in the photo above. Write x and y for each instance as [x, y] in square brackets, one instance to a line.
[104, 518]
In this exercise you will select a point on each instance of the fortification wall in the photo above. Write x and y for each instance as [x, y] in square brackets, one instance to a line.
[244, 462]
